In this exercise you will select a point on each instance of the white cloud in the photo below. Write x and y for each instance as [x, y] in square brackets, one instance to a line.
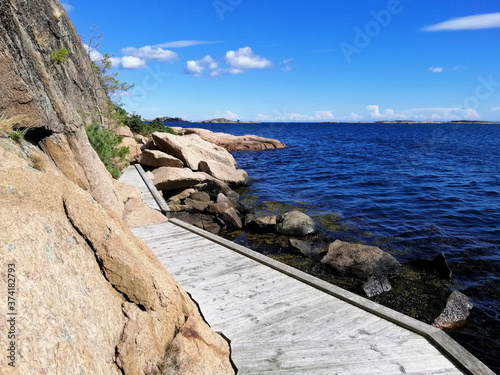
[374, 112]
[245, 58]
[229, 115]
[352, 117]
[235, 71]
[286, 68]
[238, 62]
[435, 69]
[263, 117]
[495, 109]
[324, 115]
[128, 62]
[183, 43]
[476, 22]
[150, 53]
[125, 62]
[68, 7]
[423, 114]
[93, 53]
[296, 117]
[197, 67]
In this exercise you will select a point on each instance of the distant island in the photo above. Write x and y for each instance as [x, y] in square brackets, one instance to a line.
[226, 121]
[436, 122]
[221, 120]
[172, 119]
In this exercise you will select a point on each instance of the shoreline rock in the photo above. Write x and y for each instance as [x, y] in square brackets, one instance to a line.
[360, 260]
[232, 142]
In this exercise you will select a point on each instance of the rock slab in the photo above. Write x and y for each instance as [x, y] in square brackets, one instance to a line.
[360, 260]
[191, 149]
[235, 143]
[156, 158]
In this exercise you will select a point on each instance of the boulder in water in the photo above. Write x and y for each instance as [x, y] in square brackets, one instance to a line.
[295, 223]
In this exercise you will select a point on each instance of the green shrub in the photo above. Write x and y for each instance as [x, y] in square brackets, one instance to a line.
[60, 56]
[104, 143]
[137, 125]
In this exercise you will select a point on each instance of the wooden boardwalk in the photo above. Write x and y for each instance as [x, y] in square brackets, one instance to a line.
[282, 321]
[135, 176]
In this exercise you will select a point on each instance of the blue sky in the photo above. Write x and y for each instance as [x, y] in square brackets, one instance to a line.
[296, 60]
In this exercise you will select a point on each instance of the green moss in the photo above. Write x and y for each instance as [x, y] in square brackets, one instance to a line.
[331, 221]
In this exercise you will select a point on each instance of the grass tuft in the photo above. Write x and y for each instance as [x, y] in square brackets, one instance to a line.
[7, 122]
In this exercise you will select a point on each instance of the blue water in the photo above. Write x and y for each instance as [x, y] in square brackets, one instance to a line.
[430, 188]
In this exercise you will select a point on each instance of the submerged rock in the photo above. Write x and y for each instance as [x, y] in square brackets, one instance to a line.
[375, 286]
[438, 266]
[306, 248]
[456, 311]
[360, 260]
[258, 223]
[295, 223]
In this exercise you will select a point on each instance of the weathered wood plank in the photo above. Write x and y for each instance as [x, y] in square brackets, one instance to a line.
[152, 190]
[280, 324]
[132, 177]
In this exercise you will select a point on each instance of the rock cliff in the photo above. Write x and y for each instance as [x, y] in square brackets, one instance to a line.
[90, 297]
[52, 97]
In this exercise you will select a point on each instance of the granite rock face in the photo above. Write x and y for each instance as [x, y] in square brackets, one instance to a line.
[84, 272]
[136, 212]
[51, 97]
[92, 298]
[360, 260]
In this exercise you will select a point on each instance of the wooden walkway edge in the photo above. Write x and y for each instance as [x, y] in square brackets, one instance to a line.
[283, 321]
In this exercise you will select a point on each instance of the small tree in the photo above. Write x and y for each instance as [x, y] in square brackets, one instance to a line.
[100, 80]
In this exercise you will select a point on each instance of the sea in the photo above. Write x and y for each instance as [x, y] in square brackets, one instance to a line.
[423, 188]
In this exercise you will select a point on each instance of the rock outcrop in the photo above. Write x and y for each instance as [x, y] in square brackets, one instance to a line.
[52, 97]
[191, 149]
[360, 260]
[93, 297]
[234, 143]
